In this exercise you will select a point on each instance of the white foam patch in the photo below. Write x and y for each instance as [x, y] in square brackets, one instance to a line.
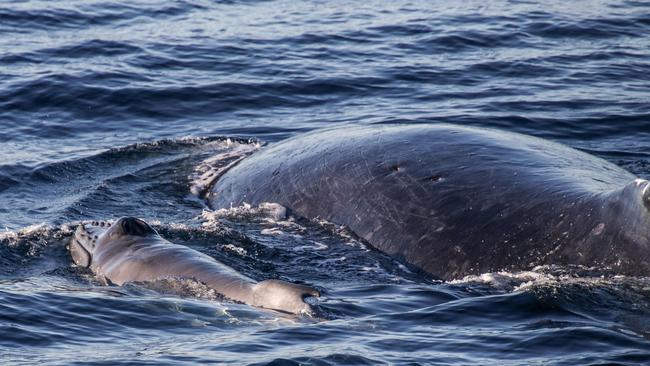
[235, 249]
[187, 140]
[35, 237]
[272, 231]
[503, 280]
[12, 236]
[343, 232]
[273, 212]
[316, 245]
[541, 277]
[45, 230]
[170, 225]
[228, 154]
[283, 224]
[334, 260]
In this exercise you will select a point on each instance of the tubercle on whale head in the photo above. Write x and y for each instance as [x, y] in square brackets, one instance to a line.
[84, 241]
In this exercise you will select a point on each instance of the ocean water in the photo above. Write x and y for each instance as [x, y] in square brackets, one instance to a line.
[107, 108]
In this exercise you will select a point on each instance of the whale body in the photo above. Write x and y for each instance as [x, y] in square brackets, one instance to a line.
[454, 200]
[130, 250]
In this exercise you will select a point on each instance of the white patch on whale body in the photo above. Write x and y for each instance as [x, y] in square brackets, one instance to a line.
[598, 229]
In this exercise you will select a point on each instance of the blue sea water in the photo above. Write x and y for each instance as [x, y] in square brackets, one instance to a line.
[107, 107]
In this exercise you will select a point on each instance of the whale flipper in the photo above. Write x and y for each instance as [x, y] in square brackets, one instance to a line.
[276, 294]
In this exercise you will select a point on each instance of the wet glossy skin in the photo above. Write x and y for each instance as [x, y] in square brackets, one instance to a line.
[130, 250]
[455, 200]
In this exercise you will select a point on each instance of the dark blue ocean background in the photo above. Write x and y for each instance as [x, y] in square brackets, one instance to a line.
[107, 107]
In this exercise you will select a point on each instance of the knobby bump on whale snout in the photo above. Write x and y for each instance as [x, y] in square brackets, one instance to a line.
[82, 244]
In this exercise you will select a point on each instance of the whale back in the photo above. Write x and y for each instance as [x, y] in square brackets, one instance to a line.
[450, 200]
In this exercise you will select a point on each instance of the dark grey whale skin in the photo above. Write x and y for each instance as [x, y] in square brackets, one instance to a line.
[453, 200]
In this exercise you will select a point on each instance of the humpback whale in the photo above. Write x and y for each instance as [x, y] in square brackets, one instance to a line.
[131, 250]
[454, 200]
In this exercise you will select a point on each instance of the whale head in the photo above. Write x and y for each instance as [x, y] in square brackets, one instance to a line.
[90, 236]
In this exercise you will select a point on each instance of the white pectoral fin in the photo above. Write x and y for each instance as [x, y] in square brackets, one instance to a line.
[283, 296]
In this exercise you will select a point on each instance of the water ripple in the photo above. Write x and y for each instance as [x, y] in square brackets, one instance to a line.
[95, 97]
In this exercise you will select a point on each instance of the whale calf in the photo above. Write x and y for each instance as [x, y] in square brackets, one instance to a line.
[131, 250]
[454, 200]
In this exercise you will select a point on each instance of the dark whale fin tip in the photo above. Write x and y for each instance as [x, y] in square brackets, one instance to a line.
[135, 226]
